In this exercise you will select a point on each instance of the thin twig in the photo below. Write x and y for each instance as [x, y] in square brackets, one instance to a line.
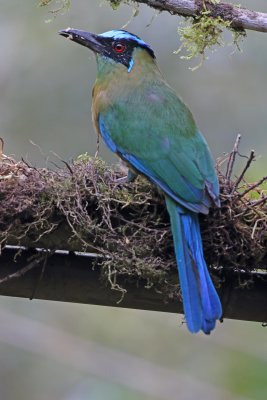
[68, 166]
[231, 161]
[41, 275]
[1, 147]
[23, 271]
[239, 179]
[260, 201]
[97, 145]
[255, 185]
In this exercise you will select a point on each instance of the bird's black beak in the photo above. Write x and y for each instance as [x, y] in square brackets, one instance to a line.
[84, 38]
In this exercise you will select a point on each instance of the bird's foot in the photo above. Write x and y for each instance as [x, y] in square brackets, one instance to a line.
[130, 177]
[121, 181]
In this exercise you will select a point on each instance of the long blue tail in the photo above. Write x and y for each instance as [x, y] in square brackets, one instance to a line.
[202, 306]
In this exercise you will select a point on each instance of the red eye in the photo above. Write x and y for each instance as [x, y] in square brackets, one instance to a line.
[119, 47]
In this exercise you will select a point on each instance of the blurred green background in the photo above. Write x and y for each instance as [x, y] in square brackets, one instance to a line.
[77, 352]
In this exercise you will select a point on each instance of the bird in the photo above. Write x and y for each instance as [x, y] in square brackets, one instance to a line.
[142, 120]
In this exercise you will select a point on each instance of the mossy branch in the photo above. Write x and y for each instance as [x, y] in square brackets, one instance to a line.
[208, 19]
[83, 208]
[205, 23]
[241, 18]
[72, 277]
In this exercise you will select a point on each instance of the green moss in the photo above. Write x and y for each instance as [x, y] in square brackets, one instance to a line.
[44, 3]
[83, 158]
[63, 4]
[59, 6]
[115, 3]
[204, 32]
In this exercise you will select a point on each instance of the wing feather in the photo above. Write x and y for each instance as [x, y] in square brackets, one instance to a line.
[163, 143]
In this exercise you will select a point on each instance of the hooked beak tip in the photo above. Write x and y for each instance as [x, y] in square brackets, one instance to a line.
[66, 33]
[87, 39]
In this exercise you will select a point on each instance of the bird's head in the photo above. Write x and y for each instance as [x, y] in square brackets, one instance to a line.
[112, 47]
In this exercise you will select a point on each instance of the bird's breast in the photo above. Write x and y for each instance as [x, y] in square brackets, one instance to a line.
[100, 101]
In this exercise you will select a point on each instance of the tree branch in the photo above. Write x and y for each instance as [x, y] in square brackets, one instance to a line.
[241, 18]
[77, 278]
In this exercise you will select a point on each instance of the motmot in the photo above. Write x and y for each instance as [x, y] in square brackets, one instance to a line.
[141, 119]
